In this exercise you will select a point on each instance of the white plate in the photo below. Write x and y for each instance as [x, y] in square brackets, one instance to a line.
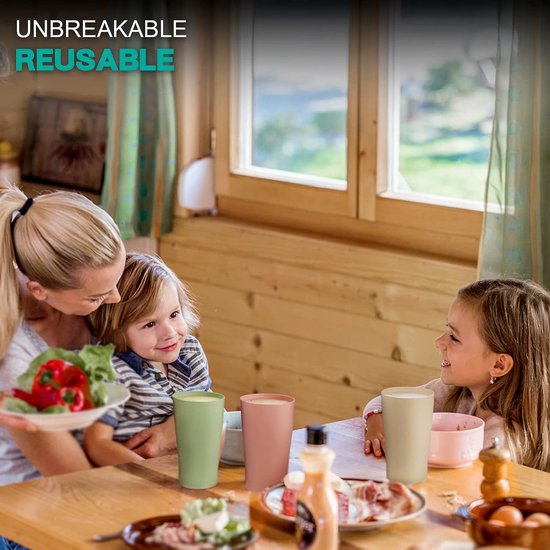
[135, 534]
[271, 500]
[56, 422]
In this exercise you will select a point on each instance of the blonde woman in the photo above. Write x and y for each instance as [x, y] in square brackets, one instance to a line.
[495, 364]
[155, 355]
[60, 258]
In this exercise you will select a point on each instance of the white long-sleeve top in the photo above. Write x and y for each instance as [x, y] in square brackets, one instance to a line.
[26, 345]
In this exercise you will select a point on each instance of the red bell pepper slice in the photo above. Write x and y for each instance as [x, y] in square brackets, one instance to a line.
[72, 398]
[58, 383]
[49, 375]
[41, 400]
[73, 376]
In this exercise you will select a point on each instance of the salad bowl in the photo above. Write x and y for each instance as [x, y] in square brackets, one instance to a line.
[135, 534]
[55, 422]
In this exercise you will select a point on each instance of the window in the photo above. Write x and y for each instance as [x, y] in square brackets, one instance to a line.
[442, 70]
[327, 119]
[293, 76]
[285, 105]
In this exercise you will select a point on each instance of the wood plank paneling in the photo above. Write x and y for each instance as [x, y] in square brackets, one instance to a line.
[373, 263]
[18, 86]
[332, 364]
[329, 322]
[428, 238]
[312, 322]
[388, 301]
[254, 360]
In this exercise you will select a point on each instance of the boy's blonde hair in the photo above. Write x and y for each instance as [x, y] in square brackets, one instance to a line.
[514, 318]
[140, 286]
[61, 233]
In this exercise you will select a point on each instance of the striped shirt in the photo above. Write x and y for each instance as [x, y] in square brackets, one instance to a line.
[150, 401]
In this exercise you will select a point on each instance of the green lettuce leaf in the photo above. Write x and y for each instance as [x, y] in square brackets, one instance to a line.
[14, 404]
[24, 382]
[201, 507]
[236, 530]
[94, 360]
[54, 409]
[98, 369]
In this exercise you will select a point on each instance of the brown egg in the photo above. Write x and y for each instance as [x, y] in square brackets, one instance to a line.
[497, 523]
[538, 518]
[531, 524]
[510, 515]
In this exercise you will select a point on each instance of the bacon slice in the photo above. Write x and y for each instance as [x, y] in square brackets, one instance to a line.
[289, 501]
[176, 536]
[381, 501]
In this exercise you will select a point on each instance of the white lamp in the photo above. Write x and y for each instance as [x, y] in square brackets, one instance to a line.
[196, 190]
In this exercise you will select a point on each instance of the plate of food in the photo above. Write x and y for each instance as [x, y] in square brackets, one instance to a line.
[362, 504]
[63, 390]
[204, 524]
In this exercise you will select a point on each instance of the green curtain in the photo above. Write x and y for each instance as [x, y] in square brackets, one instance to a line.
[140, 165]
[516, 234]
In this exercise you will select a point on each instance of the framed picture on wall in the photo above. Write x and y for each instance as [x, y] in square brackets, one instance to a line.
[65, 143]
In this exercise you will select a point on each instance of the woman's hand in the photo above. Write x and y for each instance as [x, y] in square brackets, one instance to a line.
[374, 436]
[155, 441]
[16, 423]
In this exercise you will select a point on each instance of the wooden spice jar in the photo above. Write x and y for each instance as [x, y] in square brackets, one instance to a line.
[495, 471]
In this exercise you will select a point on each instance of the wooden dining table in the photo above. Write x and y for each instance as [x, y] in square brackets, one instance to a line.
[64, 511]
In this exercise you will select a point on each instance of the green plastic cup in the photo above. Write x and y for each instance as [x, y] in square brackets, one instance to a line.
[199, 421]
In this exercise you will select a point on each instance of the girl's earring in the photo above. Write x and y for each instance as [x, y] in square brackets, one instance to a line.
[492, 381]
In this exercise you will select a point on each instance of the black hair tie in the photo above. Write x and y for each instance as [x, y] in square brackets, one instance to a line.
[22, 211]
[25, 208]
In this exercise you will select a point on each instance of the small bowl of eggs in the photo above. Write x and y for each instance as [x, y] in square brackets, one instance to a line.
[510, 521]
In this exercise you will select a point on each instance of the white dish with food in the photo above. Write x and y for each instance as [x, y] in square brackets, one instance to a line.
[55, 422]
[370, 504]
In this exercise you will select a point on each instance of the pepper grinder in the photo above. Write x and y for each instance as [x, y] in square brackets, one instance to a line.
[495, 471]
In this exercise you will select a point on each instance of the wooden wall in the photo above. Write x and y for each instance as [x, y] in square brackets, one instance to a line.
[17, 88]
[329, 322]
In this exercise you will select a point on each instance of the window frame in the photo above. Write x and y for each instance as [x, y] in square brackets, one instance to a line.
[230, 181]
[362, 212]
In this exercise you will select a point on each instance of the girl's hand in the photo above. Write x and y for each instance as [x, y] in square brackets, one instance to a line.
[374, 436]
[15, 422]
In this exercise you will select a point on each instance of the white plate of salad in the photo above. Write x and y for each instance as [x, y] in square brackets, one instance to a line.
[203, 524]
[67, 420]
[64, 390]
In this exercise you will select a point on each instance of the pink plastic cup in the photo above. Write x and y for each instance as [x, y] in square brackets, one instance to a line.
[268, 420]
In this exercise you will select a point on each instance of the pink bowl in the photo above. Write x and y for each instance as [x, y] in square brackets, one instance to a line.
[456, 440]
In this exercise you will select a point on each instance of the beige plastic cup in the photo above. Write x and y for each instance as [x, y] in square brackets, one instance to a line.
[407, 416]
[268, 421]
